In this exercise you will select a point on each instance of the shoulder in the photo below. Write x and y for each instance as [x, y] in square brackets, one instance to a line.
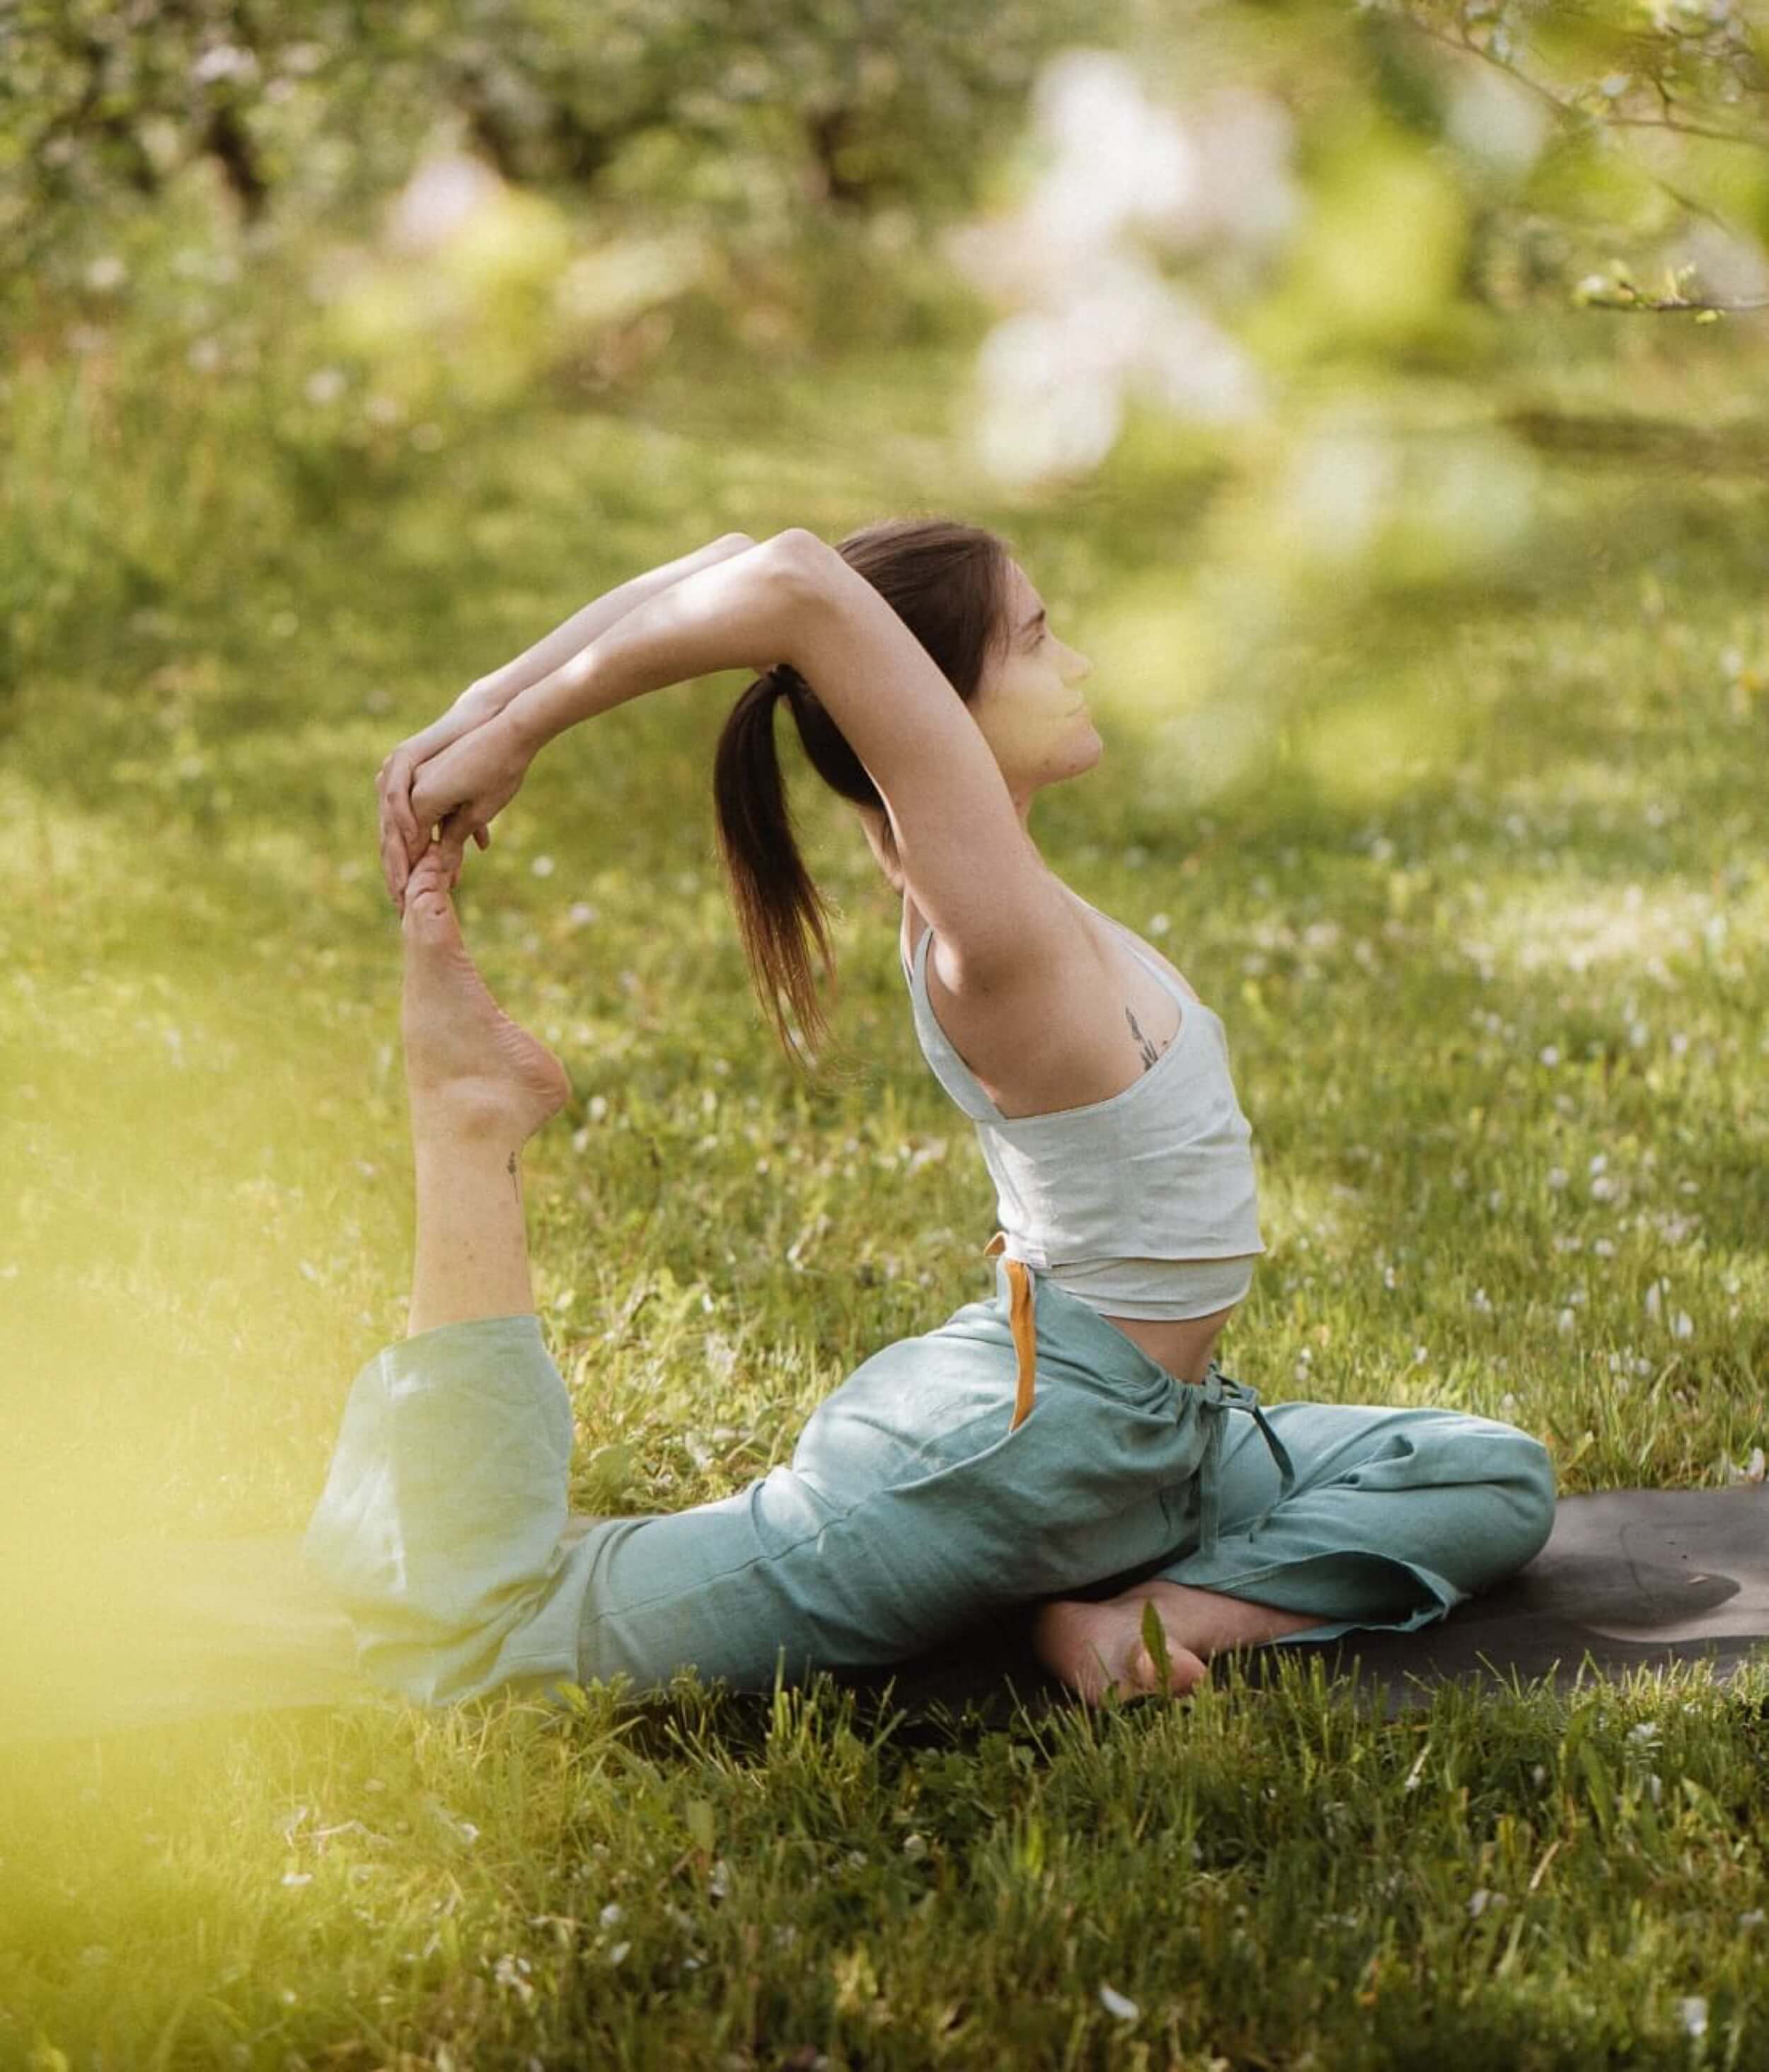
[1047, 962]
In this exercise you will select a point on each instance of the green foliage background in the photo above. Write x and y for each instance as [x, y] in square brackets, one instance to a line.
[1433, 701]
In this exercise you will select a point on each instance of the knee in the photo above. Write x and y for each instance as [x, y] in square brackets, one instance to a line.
[1525, 1512]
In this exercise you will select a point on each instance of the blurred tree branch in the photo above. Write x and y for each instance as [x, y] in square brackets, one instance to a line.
[1725, 54]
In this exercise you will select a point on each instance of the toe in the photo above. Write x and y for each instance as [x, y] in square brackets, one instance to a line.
[426, 895]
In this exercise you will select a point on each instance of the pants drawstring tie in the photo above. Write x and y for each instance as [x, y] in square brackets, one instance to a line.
[1220, 1392]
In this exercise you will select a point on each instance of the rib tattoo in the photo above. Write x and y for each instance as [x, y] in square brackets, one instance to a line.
[1148, 1052]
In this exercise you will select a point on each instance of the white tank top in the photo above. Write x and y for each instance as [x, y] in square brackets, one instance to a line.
[1143, 1205]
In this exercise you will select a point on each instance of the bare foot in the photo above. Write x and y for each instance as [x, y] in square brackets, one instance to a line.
[467, 1065]
[1091, 1647]
[1095, 1647]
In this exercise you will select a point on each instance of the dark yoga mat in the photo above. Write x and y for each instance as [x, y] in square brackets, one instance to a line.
[1630, 1579]
[124, 1635]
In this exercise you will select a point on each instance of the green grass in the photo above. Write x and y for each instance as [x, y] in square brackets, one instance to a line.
[1499, 1015]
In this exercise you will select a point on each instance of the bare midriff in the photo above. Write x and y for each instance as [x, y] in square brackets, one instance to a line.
[1183, 1344]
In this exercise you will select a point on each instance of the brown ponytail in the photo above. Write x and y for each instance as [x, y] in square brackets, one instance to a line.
[948, 583]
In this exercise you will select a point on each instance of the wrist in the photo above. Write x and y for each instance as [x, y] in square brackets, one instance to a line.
[485, 697]
[522, 727]
[580, 688]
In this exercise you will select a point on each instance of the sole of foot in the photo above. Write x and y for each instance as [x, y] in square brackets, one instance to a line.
[1097, 1650]
[468, 1067]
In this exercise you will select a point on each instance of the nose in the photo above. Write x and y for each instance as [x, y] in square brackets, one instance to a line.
[1081, 673]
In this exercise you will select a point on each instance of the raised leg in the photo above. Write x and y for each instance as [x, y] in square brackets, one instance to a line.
[479, 1086]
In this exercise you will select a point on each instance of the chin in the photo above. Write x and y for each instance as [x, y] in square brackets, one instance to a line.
[1078, 761]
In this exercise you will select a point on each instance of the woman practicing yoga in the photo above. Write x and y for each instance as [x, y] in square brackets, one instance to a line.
[1069, 1442]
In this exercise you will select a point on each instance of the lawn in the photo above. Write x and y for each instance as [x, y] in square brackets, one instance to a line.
[1498, 1010]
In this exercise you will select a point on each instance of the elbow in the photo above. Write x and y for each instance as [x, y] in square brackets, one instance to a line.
[803, 558]
[799, 575]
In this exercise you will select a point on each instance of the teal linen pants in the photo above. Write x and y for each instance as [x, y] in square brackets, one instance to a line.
[914, 1505]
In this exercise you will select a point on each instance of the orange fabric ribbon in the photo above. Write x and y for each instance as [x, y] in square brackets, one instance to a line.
[1021, 1321]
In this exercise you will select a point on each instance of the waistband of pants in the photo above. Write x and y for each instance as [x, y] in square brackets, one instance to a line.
[1220, 1392]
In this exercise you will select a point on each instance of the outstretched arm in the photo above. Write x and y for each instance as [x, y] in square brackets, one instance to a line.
[745, 611]
[738, 614]
[402, 839]
[576, 633]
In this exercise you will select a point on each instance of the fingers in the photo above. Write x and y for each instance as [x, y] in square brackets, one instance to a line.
[449, 847]
[400, 766]
[395, 867]
[402, 841]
